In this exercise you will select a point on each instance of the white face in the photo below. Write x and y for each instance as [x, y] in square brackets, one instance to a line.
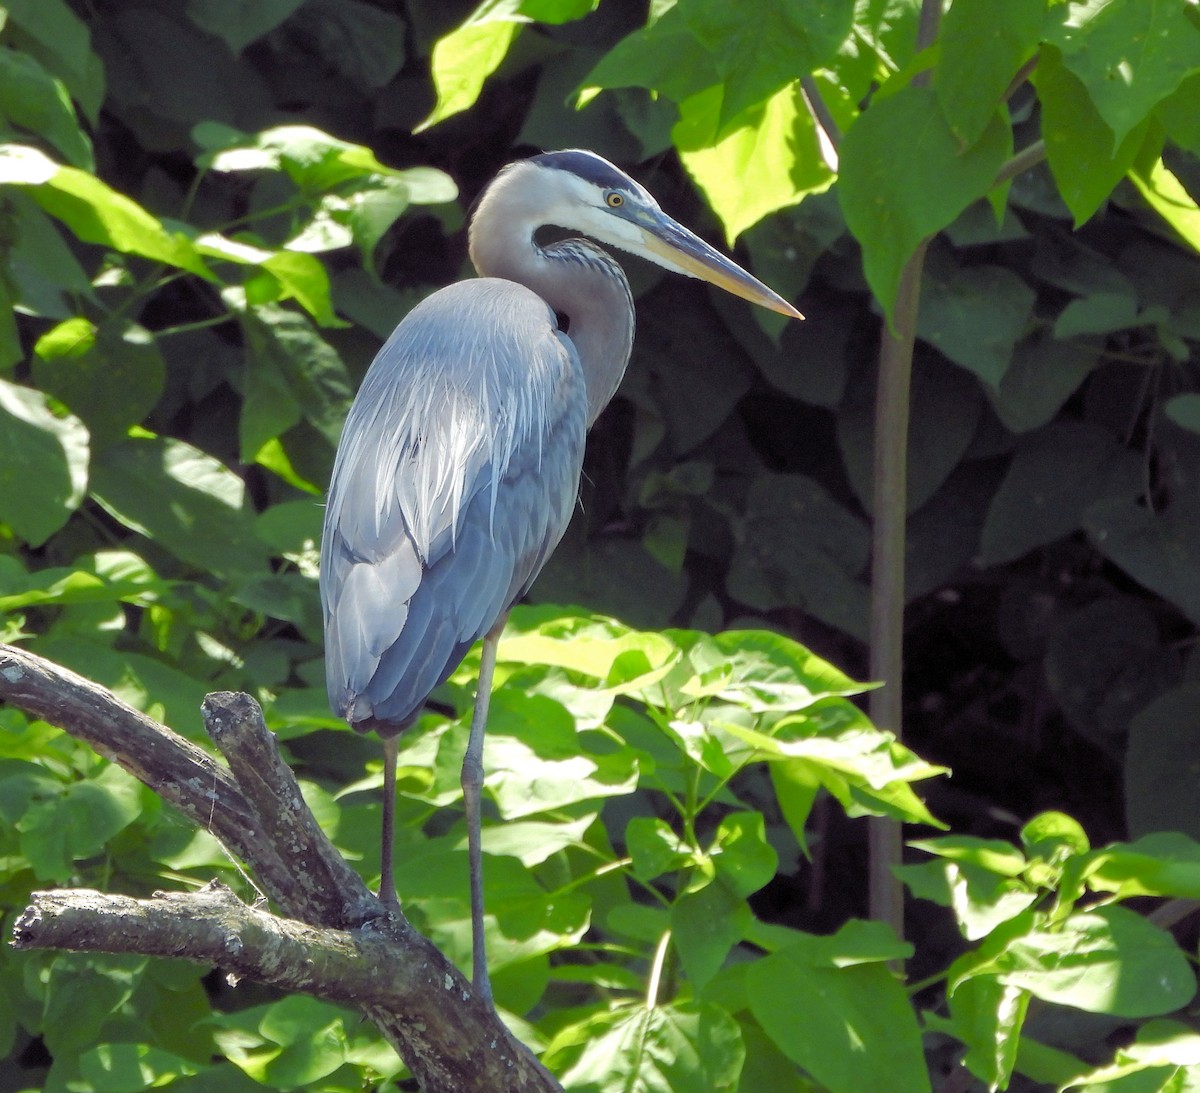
[608, 215]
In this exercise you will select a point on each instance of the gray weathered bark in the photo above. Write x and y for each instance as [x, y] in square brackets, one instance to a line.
[333, 938]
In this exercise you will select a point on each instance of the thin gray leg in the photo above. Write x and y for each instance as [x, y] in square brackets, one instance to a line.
[387, 874]
[472, 786]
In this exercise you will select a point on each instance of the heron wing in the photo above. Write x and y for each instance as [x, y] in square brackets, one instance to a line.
[455, 478]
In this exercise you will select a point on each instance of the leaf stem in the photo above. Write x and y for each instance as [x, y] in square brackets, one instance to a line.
[656, 969]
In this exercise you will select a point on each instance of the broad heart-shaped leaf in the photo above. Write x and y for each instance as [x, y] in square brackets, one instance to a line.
[1165, 863]
[982, 45]
[981, 900]
[95, 213]
[774, 142]
[77, 822]
[1129, 55]
[654, 847]
[44, 472]
[304, 369]
[741, 853]
[975, 315]
[904, 176]
[705, 926]
[677, 1048]
[110, 376]
[1109, 960]
[758, 670]
[1159, 775]
[47, 277]
[32, 99]
[800, 547]
[1055, 474]
[758, 56]
[190, 504]
[534, 761]
[1079, 144]
[1159, 549]
[591, 645]
[62, 43]
[1043, 374]
[238, 22]
[844, 1018]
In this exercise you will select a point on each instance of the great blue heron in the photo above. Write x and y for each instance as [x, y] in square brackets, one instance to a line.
[459, 463]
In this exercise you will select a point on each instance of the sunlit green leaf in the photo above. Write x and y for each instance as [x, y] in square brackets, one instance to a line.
[33, 100]
[44, 472]
[94, 212]
[864, 1033]
[676, 1048]
[904, 177]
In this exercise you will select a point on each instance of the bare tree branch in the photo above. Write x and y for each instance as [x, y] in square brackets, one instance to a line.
[338, 941]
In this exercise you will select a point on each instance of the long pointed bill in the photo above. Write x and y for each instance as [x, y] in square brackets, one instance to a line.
[678, 249]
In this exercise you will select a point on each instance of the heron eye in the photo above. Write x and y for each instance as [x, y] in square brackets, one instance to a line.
[614, 200]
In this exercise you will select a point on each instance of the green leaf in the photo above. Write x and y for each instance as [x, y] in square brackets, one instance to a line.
[146, 683]
[1055, 474]
[1079, 144]
[774, 142]
[1109, 960]
[1129, 55]
[94, 212]
[78, 822]
[50, 31]
[1184, 410]
[111, 376]
[359, 41]
[974, 315]
[982, 45]
[240, 22]
[117, 1068]
[759, 56]
[1160, 549]
[33, 100]
[801, 548]
[1043, 374]
[654, 847]
[189, 503]
[981, 901]
[862, 1035]
[1163, 863]
[106, 577]
[705, 926]
[464, 59]
[292, 366]
[44, 473]
[592, 645]
[677, 1048]
[1165, 1052]
[988, 1016]
[945, 406]
[316, 162]
[534, 762]
[1165, 194]
[292, 275]
[741, 853]
[1159, 780]
[43, 269]
[83, 994]
[313, 1037]
[904, 177]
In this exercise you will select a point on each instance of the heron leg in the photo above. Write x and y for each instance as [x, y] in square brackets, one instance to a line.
[387, 873]
[472, 786]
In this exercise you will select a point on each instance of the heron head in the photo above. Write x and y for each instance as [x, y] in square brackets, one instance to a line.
[582, 191]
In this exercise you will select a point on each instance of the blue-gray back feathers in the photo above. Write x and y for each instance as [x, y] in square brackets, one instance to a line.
[470, 419]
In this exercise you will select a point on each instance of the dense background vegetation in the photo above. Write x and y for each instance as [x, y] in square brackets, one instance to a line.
[212, 213]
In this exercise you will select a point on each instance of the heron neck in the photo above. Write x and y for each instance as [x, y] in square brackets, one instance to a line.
[577, 279]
